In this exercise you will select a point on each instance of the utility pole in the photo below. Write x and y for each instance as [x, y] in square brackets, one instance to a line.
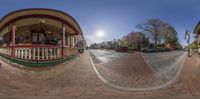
[187, 34]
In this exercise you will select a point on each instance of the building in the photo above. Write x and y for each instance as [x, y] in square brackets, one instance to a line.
[39, 36]
[197, 32]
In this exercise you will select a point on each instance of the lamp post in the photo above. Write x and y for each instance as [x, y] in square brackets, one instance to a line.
[187, 34]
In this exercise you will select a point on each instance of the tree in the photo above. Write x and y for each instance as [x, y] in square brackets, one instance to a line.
[123, 42]
[155, 28]
[137, 40]
[171, 36]
[193, 45]
[94, 46]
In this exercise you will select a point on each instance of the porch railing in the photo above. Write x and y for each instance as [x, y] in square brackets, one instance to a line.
[38, 52]
[5, 50]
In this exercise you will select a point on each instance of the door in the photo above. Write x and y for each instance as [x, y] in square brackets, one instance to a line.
[38, 38]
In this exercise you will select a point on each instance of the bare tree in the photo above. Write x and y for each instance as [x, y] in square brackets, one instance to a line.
[137, 39]
[155, 28]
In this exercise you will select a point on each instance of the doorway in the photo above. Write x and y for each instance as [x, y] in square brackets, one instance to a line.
[38, 34]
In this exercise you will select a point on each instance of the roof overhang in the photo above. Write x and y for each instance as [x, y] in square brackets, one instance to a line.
[197, 28]
[30, 16]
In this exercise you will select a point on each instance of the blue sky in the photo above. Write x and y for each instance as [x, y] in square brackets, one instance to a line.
[116, 18]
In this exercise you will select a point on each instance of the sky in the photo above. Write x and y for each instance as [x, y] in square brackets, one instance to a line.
[104, 20]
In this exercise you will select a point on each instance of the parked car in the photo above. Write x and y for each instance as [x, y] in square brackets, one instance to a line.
[163, 49]
[122, 49]
[149, 49]
[153, 48]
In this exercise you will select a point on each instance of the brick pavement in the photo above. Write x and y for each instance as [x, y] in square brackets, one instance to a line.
[77, 79]
[130, 70]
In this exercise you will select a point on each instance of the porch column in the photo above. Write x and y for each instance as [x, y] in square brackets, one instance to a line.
[198, 40]
[13, 41]
[75, 41]
[63, 41]
[77, 38]
[70, 39]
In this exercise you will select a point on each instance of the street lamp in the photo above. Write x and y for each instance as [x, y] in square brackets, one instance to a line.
[187, 34]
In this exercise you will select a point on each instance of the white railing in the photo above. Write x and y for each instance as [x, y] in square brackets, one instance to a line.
[39, 52]
[5, 50]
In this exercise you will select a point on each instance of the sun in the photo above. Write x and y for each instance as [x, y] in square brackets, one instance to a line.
[100, 34]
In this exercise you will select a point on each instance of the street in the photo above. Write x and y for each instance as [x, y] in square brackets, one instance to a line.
[166, 63]
[139, 71]
[103, 56]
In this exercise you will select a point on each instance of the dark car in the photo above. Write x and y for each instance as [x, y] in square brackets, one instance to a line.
[163, 49]
[151, 48]
[121, 49]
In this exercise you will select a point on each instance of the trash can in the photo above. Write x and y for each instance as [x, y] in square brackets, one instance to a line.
[80, 50]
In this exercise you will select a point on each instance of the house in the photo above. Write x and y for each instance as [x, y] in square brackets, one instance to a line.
[197, 32]
[39, 35]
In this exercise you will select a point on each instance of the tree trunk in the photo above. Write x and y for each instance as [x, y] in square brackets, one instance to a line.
[172, 46]
[156, 39]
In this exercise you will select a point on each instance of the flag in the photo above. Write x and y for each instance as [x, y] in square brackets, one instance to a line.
[148, 37]
[187, 36]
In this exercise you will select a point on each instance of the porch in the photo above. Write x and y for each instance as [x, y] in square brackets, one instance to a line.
[37, 36]
[38, 55]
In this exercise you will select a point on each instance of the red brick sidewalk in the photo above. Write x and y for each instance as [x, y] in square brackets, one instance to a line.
[130, 70]
[190, 77]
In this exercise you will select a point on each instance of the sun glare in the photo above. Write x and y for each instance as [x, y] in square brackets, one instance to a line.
[100, 34]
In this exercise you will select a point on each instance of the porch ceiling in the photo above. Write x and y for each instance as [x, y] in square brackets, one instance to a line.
[31, 21]
[197, 28]
[32, 16]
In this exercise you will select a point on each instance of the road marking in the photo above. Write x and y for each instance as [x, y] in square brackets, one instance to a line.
[149, 65]
[155, 68]
[118, 56]
[136, 89]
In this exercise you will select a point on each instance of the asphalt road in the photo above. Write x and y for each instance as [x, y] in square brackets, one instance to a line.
[167, 63]
[103, 56]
